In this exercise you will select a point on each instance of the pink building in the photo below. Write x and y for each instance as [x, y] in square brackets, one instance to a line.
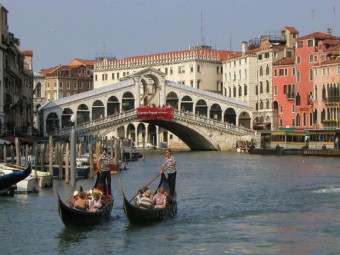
[326, 85]
[306, 57]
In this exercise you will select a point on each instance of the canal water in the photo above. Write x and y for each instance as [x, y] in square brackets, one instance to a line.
[228, 203]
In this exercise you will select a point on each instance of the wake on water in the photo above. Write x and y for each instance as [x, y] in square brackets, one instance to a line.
[331, 189]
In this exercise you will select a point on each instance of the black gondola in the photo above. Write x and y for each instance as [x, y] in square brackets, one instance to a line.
[74, 217]
[138, 215]
[12, 174]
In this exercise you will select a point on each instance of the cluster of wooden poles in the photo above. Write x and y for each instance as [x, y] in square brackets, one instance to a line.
[57, 153]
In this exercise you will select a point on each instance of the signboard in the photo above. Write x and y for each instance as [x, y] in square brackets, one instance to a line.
[155, 113]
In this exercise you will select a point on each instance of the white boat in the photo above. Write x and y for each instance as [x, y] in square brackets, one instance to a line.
[28, 185]
[45, 179]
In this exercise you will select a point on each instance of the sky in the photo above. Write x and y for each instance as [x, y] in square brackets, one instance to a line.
[59, 31]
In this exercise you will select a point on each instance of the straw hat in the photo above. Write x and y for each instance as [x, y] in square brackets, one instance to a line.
[76, 193]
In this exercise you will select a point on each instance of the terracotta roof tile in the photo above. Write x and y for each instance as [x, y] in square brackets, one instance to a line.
[27, 53]
[317, 35]
[292, 29]
[286, 61]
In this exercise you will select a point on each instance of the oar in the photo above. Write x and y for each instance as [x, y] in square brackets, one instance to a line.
[83, 184]
[151, 181]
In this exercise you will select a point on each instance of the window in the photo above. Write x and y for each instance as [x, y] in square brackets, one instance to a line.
[117, 75]
[245, 89]
[95, 78]
[298, 76]
[61, 85]
[286, 71]
[310, 74]
[198, 84]
[261, 88]
[275, 72]
[315, 72]
[68, 86]
[298, 59]
[113, 76]
[293, 108]
[198, 68]
[281, 72]
[191, 68]
[311, 58]
[239, 91]
[191, 83]
[267, 86]
[275, 90]
[310, 43]
[300, 44]
[293, 71]
[171, 70]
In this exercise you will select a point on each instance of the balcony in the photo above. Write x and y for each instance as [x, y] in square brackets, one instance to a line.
[290, 95]
[333, 100]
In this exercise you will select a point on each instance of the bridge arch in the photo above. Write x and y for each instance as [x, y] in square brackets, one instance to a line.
[83, 114]
[172, 100]
[201, 108]
[128, 101]
[52, 122]
[66, 118]
[98, 110]
[230, 116]
[113, 106]
[216, 112]
[187, 104]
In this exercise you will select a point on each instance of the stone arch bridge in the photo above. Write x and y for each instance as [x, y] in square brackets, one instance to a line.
[202, 120]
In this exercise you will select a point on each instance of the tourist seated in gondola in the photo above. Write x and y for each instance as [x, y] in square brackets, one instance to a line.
[138, 197]
[81, 202]
[95, 203]
[159, 199]
[146, 201]
[75, 198]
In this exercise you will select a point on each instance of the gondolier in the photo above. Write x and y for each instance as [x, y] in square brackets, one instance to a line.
[105, 172]
[169, 165]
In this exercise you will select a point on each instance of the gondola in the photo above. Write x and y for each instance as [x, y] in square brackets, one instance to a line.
[10, 175]
[138, 215]
[75, 217]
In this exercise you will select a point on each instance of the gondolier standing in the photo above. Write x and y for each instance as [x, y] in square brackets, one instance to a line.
[105, 172]
[169, 165]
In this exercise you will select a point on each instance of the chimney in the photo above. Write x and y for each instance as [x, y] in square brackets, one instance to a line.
[244, 47]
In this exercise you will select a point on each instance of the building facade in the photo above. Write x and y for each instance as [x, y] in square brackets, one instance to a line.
[199, 67]
[249, 75]
[326, 83]
[16, 83]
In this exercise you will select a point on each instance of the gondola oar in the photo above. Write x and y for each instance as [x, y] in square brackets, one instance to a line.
[151, 181]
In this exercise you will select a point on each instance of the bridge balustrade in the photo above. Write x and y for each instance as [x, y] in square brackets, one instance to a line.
[132, 114]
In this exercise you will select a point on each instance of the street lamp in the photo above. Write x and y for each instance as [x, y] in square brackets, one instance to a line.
[73, 150]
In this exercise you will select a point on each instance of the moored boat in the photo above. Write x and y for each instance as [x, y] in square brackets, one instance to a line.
[12, 174]
[28, 185]
[139, 215]
[45, 178]
[84, 218]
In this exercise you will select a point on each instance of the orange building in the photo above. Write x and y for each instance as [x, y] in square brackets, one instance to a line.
[284, 93]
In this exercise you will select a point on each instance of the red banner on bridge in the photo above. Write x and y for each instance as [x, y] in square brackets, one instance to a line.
[155, 113]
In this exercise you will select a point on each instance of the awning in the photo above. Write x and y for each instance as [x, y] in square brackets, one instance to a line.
[262, 124]
[23, 140]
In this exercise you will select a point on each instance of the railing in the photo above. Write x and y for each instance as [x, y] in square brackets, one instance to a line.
[203, 120]
[132, 114]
